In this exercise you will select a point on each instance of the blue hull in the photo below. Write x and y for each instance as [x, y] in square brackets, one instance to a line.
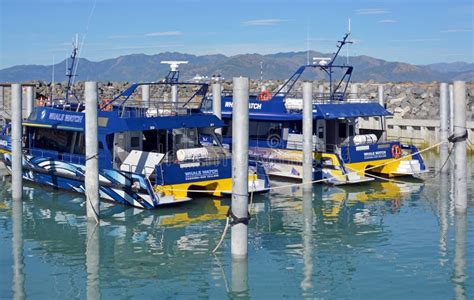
[115, 185]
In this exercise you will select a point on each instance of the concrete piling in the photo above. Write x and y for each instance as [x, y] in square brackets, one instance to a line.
[146, 95]
[216, 103]
[92, 159]
[451, 109]
[240, 146]
[307, 282]
[380, 93]
[460, 151]
[444, 126]
[443, 213]
[18, 285]
[240, 286]
[460, 262]
[30, 100]
[2, 98]
[307, 135]
[93, 261]
[354, 91]
[382, 119]
[174, 97]
[17, 147]
[174, 93]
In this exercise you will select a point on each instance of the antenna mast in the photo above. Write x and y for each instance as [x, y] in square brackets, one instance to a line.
[70, 72]
[349, 30]
[52, 81]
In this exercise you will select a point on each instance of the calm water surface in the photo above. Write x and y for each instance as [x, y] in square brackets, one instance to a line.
[378, 240]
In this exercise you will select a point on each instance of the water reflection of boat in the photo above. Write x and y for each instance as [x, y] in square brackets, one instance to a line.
[336, 201]
[139, 244]
[173, 235]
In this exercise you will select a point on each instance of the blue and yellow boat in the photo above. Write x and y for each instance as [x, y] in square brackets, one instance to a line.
[343, 153]
[149, 154]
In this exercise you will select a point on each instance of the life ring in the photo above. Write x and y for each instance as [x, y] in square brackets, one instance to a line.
[265, 96]
[396, 151]
[105, 106]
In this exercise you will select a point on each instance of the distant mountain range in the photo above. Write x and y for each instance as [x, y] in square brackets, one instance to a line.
[141, 67]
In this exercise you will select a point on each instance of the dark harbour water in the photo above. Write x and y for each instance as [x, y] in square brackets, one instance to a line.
[381, 240]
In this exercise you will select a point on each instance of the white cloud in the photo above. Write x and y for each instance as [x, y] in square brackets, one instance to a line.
[263, 22]
[371, 11]
[164, 33]
[151, 34]
[388, 21]
[457, 30]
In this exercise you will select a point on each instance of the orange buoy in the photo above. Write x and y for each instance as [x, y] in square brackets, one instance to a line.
[396, 151]
[265, 96]
[105, 106]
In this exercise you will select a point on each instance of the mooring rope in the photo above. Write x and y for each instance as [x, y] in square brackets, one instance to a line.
[223, 235]
[443, 165]
[227, 222]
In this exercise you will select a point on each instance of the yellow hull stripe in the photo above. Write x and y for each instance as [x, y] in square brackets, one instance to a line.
[214, 187]
[386, 167]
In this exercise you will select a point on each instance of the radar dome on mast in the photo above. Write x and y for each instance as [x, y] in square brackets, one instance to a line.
[173, 74]
[322, 61]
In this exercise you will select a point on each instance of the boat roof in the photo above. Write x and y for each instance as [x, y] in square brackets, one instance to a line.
[110, 122]
[277, 109]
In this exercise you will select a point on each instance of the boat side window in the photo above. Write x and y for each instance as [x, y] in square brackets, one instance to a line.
[296, 127]
[208, 138]
[135, 141]
[185, 138]
[53, 139]
[227, 130]
[79, 144]
[110, 142]
[320, 132]
[155, 140]
[264, 129]
[342, 130]
[351, 130]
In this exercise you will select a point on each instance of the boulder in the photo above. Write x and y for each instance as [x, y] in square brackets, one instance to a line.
[396, 101]
[417, 90]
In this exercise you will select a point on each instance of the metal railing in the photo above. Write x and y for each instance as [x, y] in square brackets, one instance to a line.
[156, 108]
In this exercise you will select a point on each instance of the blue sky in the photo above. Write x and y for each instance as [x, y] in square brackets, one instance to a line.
[416, 31]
